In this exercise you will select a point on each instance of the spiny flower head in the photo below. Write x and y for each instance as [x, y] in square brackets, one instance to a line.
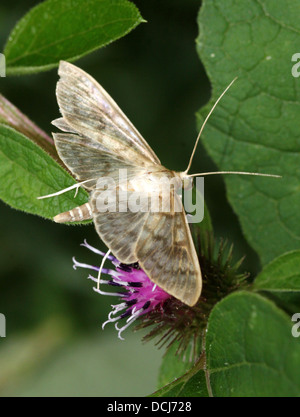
[186, 325]
[170, 320]
[138, 294]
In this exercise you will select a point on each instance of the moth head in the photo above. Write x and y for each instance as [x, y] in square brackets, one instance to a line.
[187, 181]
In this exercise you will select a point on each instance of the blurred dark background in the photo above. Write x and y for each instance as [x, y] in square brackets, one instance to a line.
[156, 77]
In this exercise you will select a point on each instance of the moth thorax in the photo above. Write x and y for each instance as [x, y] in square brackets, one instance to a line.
[154, 182]
[187, 183]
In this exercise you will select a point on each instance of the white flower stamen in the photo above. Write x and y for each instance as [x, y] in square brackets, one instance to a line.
[129, 321]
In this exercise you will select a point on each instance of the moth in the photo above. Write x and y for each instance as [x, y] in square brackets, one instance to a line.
[98, 141]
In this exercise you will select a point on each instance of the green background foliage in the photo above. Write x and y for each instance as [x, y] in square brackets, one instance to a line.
[155, 75]
[66, 30]
[254, 354]
[28, 172]
[256, 125]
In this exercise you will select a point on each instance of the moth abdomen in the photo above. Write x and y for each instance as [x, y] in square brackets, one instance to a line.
[77, 214]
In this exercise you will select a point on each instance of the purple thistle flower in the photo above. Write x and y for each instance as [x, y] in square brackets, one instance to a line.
[139, 294]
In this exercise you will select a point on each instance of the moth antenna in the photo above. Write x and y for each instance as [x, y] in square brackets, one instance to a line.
[258, 174]
[77, 185]
[204, 123]
[101, 267]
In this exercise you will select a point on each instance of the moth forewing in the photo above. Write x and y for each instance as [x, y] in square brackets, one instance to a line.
[167, 254]
[91, 112]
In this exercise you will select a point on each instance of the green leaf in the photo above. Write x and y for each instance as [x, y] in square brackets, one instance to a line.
[280, 275]
[12, 116]
[194, 386]
[255, 127]
[191, 384]
[250, 349]
[27, 172]
[66, 29]
[173, 365]
[281, 279]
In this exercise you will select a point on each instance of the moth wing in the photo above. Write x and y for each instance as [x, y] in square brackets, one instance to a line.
[160, 241]
[119, 227]
[88, 110]
[89, 160]
[166, 252]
